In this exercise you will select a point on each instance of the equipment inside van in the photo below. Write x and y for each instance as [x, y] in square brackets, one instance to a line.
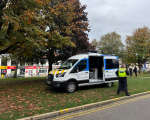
[84, 69]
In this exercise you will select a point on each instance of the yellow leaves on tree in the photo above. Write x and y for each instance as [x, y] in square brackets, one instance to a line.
[138, 46]
[63, 12]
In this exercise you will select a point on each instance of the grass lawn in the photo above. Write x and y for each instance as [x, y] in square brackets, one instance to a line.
[10, 80]
[23, 97]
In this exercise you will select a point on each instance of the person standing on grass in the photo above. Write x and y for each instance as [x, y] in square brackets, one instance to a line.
[131, 71]
[122, 74]
[135, 71]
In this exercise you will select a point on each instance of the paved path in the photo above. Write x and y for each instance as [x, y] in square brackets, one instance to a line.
[137, 108]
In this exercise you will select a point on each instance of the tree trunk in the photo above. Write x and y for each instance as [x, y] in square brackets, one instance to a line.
[50, 65]
[15, 74]
[50, 59]
[140, 69]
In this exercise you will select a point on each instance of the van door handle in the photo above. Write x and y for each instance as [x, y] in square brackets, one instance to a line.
[106, 71]
[86, 72]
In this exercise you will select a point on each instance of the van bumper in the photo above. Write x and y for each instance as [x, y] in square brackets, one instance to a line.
[56, 84]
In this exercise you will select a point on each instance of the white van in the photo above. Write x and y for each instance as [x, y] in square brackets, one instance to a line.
[83, 70]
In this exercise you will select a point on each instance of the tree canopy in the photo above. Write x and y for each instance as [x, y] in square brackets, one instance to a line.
[94, 42]
[78, 25]
[110, 43]
[29, 24]
[138, 46]
[52, 28]
[20, 25]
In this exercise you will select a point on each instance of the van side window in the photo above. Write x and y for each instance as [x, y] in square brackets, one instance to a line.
[112, 63]
[80, 66]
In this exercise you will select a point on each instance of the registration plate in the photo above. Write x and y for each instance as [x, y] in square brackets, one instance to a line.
[48, 82]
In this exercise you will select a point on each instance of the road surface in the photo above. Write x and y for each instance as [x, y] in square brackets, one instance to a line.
[137, 108]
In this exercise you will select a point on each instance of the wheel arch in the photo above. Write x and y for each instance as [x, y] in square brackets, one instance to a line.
[72, 79]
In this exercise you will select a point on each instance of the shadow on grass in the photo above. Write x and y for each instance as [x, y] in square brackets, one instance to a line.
[79, 89]
[91, 87]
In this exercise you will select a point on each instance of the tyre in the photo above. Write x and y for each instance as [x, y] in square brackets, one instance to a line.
[109, 84]
[71, 87]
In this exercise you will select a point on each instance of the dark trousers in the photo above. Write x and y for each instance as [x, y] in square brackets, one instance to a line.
[130, 74]
[136, 74]
[122, 84]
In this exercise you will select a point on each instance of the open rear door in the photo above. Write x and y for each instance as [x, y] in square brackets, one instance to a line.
[96, 65]
[111, 66]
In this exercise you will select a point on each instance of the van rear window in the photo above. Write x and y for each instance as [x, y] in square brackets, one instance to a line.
[112, 63]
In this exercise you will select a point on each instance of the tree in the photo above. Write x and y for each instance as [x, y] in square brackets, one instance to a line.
[19, 25]
[110, 43]
[138, 46]
[125, 59]
[80, 37]
[47, 26]
[76, 22]
[28, 26]
[95, 43]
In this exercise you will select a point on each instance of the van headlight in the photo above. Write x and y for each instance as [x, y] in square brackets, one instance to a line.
[60, 74]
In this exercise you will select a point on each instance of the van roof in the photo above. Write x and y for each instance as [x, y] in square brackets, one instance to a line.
[81, 56]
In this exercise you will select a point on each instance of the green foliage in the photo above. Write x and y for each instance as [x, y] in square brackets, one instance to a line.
[146, 72]
[36, 28]
[19, 26]
[71, 23]
[58, 21]
[94, 42]
[4, 59]
[138, 46]
[26, 25]
[110, 43]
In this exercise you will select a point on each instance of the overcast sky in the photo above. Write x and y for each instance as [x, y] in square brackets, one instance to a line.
[122, 16]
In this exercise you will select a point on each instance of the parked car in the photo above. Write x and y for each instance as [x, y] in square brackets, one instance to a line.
[11, 75]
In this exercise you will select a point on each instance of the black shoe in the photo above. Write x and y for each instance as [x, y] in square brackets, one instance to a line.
[127, 95]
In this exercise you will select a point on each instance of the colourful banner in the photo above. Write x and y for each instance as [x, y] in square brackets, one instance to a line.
[30, 67]
[3, 67]
[11, 67]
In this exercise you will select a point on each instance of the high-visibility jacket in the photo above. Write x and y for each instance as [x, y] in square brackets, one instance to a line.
[122, 72]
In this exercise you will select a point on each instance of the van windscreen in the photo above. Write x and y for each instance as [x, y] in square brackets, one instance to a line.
[68, 64]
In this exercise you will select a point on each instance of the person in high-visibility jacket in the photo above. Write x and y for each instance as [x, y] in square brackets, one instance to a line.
[122, 74]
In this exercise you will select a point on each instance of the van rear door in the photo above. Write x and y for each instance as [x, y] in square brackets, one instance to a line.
[111, 66]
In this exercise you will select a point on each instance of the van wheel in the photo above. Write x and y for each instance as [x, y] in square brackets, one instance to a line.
[71, 87]
[109, 84]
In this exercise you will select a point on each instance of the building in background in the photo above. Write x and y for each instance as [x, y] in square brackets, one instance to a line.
[146, 66]
[8, 66]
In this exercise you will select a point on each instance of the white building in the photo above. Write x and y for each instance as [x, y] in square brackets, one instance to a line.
[8, 66]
